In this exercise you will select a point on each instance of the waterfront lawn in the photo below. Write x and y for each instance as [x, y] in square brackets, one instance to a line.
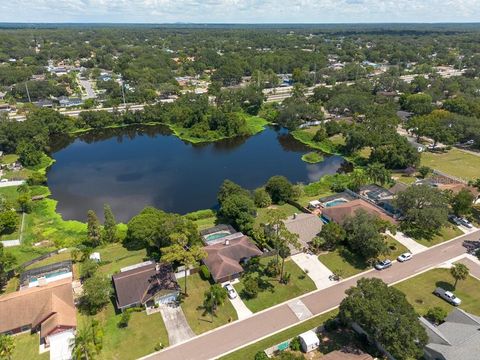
[419, 291]
[63, 256]
[447, 232]
[299, 284]
[192, 306]
[328, 146]
[287, 209]
[25, 253]
[454, 162]
[249, 351]
[141, 336]
[115, 256]
[27, 347]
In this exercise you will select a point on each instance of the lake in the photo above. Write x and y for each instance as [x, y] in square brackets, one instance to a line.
[133, 167]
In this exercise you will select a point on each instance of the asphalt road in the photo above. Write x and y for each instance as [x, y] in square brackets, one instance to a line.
[240, 333]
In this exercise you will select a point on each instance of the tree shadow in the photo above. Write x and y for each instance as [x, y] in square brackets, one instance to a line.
[353, 259]
[445, 285]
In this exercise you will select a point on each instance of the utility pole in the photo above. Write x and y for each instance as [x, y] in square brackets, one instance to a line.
[28, 93]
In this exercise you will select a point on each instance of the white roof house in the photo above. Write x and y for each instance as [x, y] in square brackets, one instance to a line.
[309, 341]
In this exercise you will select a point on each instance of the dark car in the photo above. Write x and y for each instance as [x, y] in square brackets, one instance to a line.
[384, 264]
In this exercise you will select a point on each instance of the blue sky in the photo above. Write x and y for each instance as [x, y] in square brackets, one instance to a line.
[240, 11]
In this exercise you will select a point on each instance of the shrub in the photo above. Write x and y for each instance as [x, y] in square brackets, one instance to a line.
[261, 198]
[159, 346]
[271, 270]
[424, 171]
[36, 179]
[331, 324]
[261, 356]
[124, 319]
[295, 344]
[204, 272]
[436, 315]
[286, 278]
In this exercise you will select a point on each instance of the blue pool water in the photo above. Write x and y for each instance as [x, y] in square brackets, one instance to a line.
[50, 275]
[335, 202]
[216, 236]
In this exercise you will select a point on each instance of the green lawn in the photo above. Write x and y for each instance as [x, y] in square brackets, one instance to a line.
[312, 157]
[454, 162]
[447, 232]
[115, 256]
[137, 340]
[287, 209]
[343, 262]
[27, 347]
[25, 253]
[8, 158]
[192, 306]
[419, 291]
[401, 177]
[327, 146]
[248, 352]
[347, 264]
[299, 284]
[63, 256]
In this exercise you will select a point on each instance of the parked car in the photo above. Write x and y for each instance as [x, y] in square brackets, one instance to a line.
[383, 264]
[448, 296]
[455, 219]
[232, 294]
[405, 257]
[466, 223]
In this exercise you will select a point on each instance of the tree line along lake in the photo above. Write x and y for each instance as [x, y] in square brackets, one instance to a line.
[133, 167]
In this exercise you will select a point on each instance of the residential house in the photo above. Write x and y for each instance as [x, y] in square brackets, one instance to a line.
[48, 309]
[224, 259]
[457, 338]
[146, 284]
[65, 101]
[306, 226]
[341, 212]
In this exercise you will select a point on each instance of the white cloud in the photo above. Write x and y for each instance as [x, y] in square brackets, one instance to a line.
[240, 11]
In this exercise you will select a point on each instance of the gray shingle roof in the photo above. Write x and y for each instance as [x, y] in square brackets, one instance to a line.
[457, 338]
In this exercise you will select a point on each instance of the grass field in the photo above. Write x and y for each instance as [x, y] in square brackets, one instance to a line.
[419, 291]
[446, 233]
[346, 263]
[454, 162]
[192, 306]
[138, 339]
[27, 347]
[327, 146]
[248, 352]
[299, 284]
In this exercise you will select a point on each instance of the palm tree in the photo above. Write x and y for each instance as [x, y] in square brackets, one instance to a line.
[7, 345]
[184, 254]
[213, 297]
[378, 173]
[87, 342]
[459, 272]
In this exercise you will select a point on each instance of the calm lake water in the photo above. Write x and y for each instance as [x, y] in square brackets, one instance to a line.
[134, 167]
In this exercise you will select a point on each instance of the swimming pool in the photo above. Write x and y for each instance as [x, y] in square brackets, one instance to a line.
[335, 202]
[51, 275]
[216, 236]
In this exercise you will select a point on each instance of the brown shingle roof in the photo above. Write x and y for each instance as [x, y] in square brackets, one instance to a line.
[340, 213]
[306, 226]
[137, 286]
[224, 260]
[49, 306]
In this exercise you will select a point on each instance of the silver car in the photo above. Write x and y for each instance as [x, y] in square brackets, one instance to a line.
[448, 296]
[405, 257]
[232, 294]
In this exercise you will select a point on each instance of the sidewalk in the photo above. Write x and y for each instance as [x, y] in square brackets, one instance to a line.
[413, 246]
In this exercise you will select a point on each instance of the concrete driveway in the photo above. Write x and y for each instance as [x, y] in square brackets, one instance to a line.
[242, 310]
[176, 324]
[316, 271]
[413, 246]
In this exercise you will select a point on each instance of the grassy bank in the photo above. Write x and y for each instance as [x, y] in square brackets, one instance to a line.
[312, 157]
[328, 146]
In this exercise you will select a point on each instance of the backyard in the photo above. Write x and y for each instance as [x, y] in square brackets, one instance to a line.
[299, 284]
[454, 162]
[419, 291]
[249, 352]
[192, 306]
